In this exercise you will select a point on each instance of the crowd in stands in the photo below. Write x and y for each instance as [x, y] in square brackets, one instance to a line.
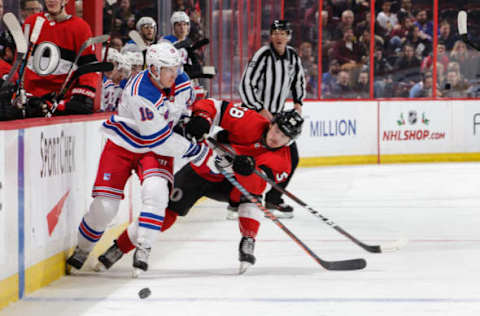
[403, 49]
[339, 66]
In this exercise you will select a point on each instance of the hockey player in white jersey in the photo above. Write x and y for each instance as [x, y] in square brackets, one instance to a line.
[140, 138]
[112, 81]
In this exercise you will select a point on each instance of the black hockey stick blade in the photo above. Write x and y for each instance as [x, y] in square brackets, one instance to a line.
[200, 43]
[99, 66]
[85, 69]
[393, 246]
[183, 44]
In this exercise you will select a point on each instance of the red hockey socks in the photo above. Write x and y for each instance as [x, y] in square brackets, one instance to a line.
[248, 226]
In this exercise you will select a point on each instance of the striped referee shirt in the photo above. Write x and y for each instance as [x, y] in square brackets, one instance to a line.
[269, 78]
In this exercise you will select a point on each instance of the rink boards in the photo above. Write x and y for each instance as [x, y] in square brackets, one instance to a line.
[47, 168]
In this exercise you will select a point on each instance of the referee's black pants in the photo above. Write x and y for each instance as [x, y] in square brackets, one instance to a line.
[274, 196]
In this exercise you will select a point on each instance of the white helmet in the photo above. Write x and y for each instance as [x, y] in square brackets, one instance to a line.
[135, 58]
[146, 20]
[179, 16]
[163, 54]
[124, 65]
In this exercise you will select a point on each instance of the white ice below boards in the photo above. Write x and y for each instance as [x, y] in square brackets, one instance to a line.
[193, 268]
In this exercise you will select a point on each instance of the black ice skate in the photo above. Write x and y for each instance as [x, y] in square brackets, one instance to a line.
[108, 258]
[280, 210]
[246, 257]
[78, 258]
[140, 260]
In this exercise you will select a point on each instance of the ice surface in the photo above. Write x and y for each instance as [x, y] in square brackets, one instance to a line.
[194, 264]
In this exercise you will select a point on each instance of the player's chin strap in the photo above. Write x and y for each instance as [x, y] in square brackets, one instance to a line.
[396, 245]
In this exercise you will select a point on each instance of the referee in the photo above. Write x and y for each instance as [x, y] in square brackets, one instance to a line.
[274, 72]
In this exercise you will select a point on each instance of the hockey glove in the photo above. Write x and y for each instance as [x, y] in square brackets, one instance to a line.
[197, 127]
[78, 104]
[244, 165]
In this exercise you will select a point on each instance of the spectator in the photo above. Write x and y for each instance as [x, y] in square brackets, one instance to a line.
[123, 14]
[466, 60]
[311, 79]
[400, 32]
[440, 75]
[346, 22]
[342, 89]
[382, 76]
[29, 7]
[406, 8]
[386, 19]
[305, 52]
[425, 27]
[329, 78]
[424, 88]
[407, 71]
[421, 45]
[348, 52]
[442, 57]
[361, 86]
[445, 35]
[454, 86]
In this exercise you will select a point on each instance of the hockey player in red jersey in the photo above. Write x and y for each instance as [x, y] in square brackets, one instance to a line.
[259, 144]
[140, 139]
[68, 33]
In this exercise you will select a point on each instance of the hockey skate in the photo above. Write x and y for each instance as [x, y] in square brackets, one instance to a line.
[246, 257]
[232, 213]
[280, 210]
[108, 258]
[78, 258]
[140, 260]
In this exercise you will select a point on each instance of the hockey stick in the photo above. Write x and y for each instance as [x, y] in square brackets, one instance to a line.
[82, 70]
[462, 29]
[12, 24]
[370, 248]
[87, 43]
[20, 96]
[135, 36]
[342, 265]
[85, 69]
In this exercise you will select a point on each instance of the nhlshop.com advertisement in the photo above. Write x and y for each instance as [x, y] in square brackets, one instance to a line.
[420, 127]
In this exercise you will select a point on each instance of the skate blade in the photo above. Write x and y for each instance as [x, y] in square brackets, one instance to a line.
[136, 273]
[232, 216]
[99, 267]
[244, 266]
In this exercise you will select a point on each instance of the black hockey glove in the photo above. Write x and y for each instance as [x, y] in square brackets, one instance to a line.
[78, 104]
[244, 165]
[197, 127]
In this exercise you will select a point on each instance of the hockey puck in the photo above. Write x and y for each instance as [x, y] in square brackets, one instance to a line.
[144, 293]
